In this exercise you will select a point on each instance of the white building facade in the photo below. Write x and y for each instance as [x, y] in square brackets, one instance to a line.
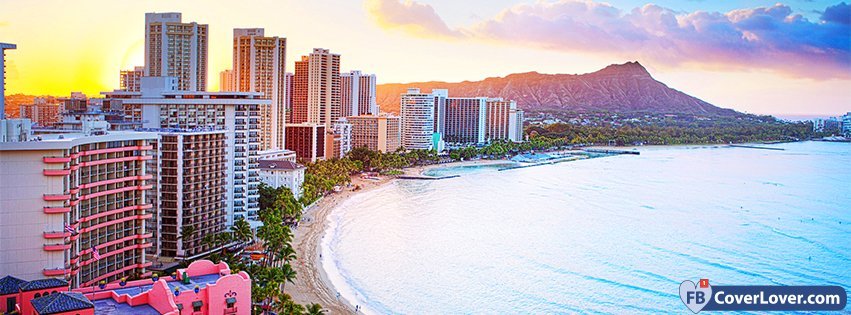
[282, 173]
[159, 106]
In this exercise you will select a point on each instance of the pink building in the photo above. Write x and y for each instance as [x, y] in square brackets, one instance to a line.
[200, 289]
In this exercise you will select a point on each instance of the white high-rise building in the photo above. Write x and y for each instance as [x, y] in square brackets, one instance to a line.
[418, 117]
[176, 49]
[259, 65]
[159, 105]
[846, 124]
[3, 48]
[502, 121]
[357, 94]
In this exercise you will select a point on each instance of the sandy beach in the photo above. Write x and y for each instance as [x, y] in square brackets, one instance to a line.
[312, 284]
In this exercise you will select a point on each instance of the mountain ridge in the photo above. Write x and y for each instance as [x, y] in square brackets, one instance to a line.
[626, 87]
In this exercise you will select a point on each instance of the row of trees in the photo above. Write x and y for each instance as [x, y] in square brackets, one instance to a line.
[694, 133]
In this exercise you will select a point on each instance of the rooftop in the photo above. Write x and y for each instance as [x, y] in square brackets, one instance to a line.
[10, 285]
[110, 306]
[61, 302]
[278, 165]
[43, 284]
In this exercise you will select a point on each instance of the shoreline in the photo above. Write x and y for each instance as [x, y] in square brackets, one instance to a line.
[312, 284]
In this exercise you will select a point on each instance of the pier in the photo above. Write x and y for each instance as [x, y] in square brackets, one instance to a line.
[611, 151]
[755, 147]
[424, 177]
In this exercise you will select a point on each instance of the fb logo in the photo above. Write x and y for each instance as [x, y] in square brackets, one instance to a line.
[694, 296]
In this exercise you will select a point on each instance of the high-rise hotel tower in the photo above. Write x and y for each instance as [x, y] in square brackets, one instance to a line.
[259, 66]
[176, 49]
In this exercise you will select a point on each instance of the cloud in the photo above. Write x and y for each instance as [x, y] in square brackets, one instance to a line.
[840, 13]
[409, 16]
[773, 38]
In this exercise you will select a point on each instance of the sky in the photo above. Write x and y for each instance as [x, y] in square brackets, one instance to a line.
[762, 57]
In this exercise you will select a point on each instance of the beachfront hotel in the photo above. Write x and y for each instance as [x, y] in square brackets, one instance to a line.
[418, 121]
[357, 94]
[176, 49]
[430, 119]
[259, 65]
[74, 205]
[465, 120]
[378, 133]
[131, 80]
[503, 120]
[191, 167]
[160, 105]
[202, 288]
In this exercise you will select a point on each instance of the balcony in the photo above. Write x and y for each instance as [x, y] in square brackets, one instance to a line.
[56, 197]
[54, 210]
[56, 247]
[53, 272]
[52, 172]
[55, 234]
[56, 159]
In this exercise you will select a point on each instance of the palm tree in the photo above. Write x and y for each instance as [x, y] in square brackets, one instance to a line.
[242, 231]
[287, 274]
[187, 233]
[313, 309]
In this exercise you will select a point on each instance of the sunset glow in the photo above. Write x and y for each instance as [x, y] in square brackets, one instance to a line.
[796, 62]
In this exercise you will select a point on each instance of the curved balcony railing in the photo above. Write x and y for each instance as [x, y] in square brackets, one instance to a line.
[54, 172]
[54, 210]
[56, 234]
[56, 247]
[56, 159]
[56, 197]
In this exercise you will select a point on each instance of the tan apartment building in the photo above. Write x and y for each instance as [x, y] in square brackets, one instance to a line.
[259, 65]
[378, 133]
[176, 49]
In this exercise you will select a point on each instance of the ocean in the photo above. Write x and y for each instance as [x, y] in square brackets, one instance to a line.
[611, 235]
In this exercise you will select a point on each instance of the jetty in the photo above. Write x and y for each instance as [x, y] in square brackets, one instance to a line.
[755, 147]
[611, 151]
[425, 177]
[546, 162]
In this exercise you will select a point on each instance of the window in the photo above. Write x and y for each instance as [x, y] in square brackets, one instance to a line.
[230, 302]
[37, 295]
[10, 304]
[196, 306]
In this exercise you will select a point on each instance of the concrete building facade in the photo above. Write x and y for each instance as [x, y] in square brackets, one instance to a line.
[283, 173]
[191, 183]
[418, 120]
[357, 94]
[3, 48]
[378, 133]
[160, 106]
[316, 88]
[307, 140]
[131, 80]
[176, 49]
[259, 65]
[465, 120]
[73, 206]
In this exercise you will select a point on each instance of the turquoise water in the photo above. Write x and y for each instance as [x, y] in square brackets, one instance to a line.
[610, 235]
